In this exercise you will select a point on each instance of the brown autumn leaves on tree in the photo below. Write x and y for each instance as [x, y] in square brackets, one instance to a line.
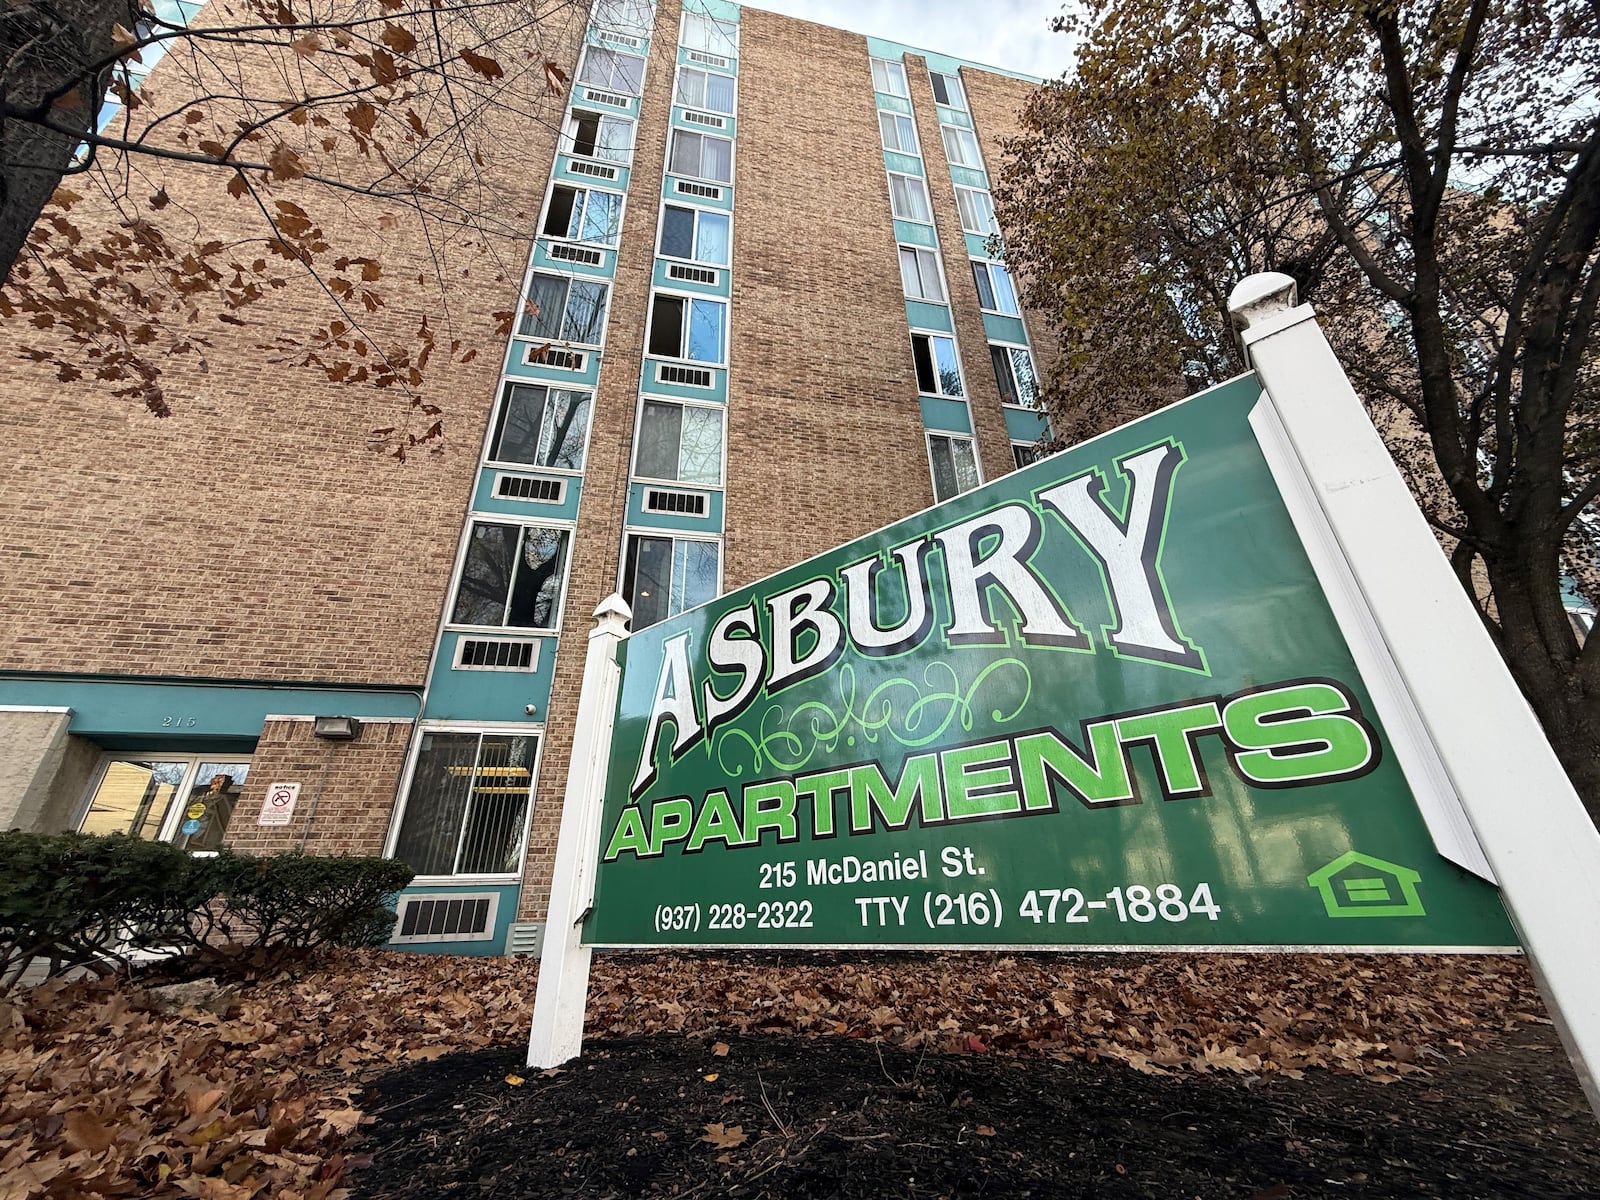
[1429, 174]
[313, 128]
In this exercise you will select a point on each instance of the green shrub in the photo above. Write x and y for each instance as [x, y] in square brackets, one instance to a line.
[81, 900]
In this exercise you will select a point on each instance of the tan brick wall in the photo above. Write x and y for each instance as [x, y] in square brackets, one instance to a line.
[347, 789]
[254, 533]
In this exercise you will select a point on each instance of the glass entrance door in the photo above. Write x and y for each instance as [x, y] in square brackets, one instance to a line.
[183, 799]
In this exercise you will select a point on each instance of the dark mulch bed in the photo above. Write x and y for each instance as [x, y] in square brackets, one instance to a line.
[846, 1118]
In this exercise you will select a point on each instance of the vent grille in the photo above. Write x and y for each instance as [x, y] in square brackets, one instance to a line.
[577, 254]
[452, 918]
[709, 60]
[496, 654]
[687, 376]
[697, 189]
[548, 356]
[579, 166]
[691, 274]
[695, 118]
[623, 39]
[685, 504]
[525, 937]
[608, 98]
[530, 487]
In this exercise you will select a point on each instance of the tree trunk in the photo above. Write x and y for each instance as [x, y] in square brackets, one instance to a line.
[49, 50]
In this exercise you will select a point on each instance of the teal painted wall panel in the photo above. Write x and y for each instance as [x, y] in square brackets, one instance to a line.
[585, 96]
[490, 695]
[904, 164]
[505, 914]
[968, 177]
[718, 390]
[564, 174]
[731, 69]
[710, 523]
[1004, 329]
[952, 416]
[727, 129]
[943, 63]
[977, 245]
[723, 287]
[484, 499]
[895, 104]
[554, 376]
[1025, 424]
[604, 269]
[111, 708]
[723, 199]
[914, 234]
[922, 315]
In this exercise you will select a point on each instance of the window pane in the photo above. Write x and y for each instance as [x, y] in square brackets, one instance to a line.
[647, 579]
[966, 464]
[980, 276]
[516, 438]
[926, 380]
[888, 77]
[660, 433]
[685, 153]
[1027, 381]
[440, 787]
[944, 472]
[586, 312]
[705, 331]
[910, 280]
[940, 92]
[616, 139]
[716, 159]
[960, 146]
[565, 428]
[491, 840]
[547, 300]
[537, 591]
[944, 353]
[213, 794]
[1024, 455]
[691, 88]
[486, 575]
[907, 198]
[712, 245]
[666, 326]
[719, 93]
[1004, 293]
[133, 797]
[898, 133]
[585, 133]
[677, 232]
[601, 217]
[694, 574]
[1000, 357]
[706, 33]
[700, 460]
[559, 222]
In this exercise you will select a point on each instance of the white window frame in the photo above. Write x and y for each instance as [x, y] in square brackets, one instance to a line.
[527, 284]
[506, 383]
[586, 190]
[891, 69]
[629, 532]
[922, 253]
[672, 141]
[952, 436]
[988, 201]
[989, 266]
[677, 83]
[569, 136]
[916, 143]
[686, 297]
[533, 729]
[955, 349]
[682, 402]
[529, 521]
[927, 201]
[609, 87]
[1031, 446]
[1012, 348]
[697, 209]
[953, 88]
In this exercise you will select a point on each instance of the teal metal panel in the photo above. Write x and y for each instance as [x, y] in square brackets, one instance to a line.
[1004, 329]
[1025, 424]
[602, 270]
[145, 709]
[943, 63]
[904, 164]
[717, 391]
[554, 376]
[484, 499]
[968, 177]
[731, 69]
[914, 234]
[952, 116]
[584, 95]
[977, 245]
[922, 315]
[718, 10]
[895, 104]
[505, 914]
[723, 199]
[490, 695]
[723, 287]
[952, 416]
[564, 174]
[710, 523]
[727, 129]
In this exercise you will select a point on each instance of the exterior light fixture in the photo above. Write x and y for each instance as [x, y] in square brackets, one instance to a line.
[335, 729]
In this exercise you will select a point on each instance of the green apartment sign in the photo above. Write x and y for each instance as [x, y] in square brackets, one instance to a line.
[1102, 701]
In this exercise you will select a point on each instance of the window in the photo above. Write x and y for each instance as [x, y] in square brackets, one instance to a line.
[541, 427]
[631, 18]
[696, 234]
[1025, 454]
[701, 156]
[705, 90]
[562, 308]
[612, 70]
[186, 800]
[583, 215]
[596, 135]
[995, 293]
[710, 35]
[664, 576]
[512, 576]
[468, 804]
[955, 467]
[889, 77]
[960, 147]
[977, 211]
[919, 273]
[683, 327]
[938, 371]
[947, 89]
[1013, 374]
[680, 442]
[908, 198]
[899, 133]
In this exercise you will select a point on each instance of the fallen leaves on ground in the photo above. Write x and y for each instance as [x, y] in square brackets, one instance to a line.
[110, 1091]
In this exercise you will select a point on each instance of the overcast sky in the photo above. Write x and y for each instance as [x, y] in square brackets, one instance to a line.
[1014, 34]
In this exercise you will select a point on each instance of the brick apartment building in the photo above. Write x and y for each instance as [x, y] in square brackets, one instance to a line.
[763, 268]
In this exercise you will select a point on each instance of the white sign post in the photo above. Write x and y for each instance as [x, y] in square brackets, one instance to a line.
[277, 806]
[1540, 844]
